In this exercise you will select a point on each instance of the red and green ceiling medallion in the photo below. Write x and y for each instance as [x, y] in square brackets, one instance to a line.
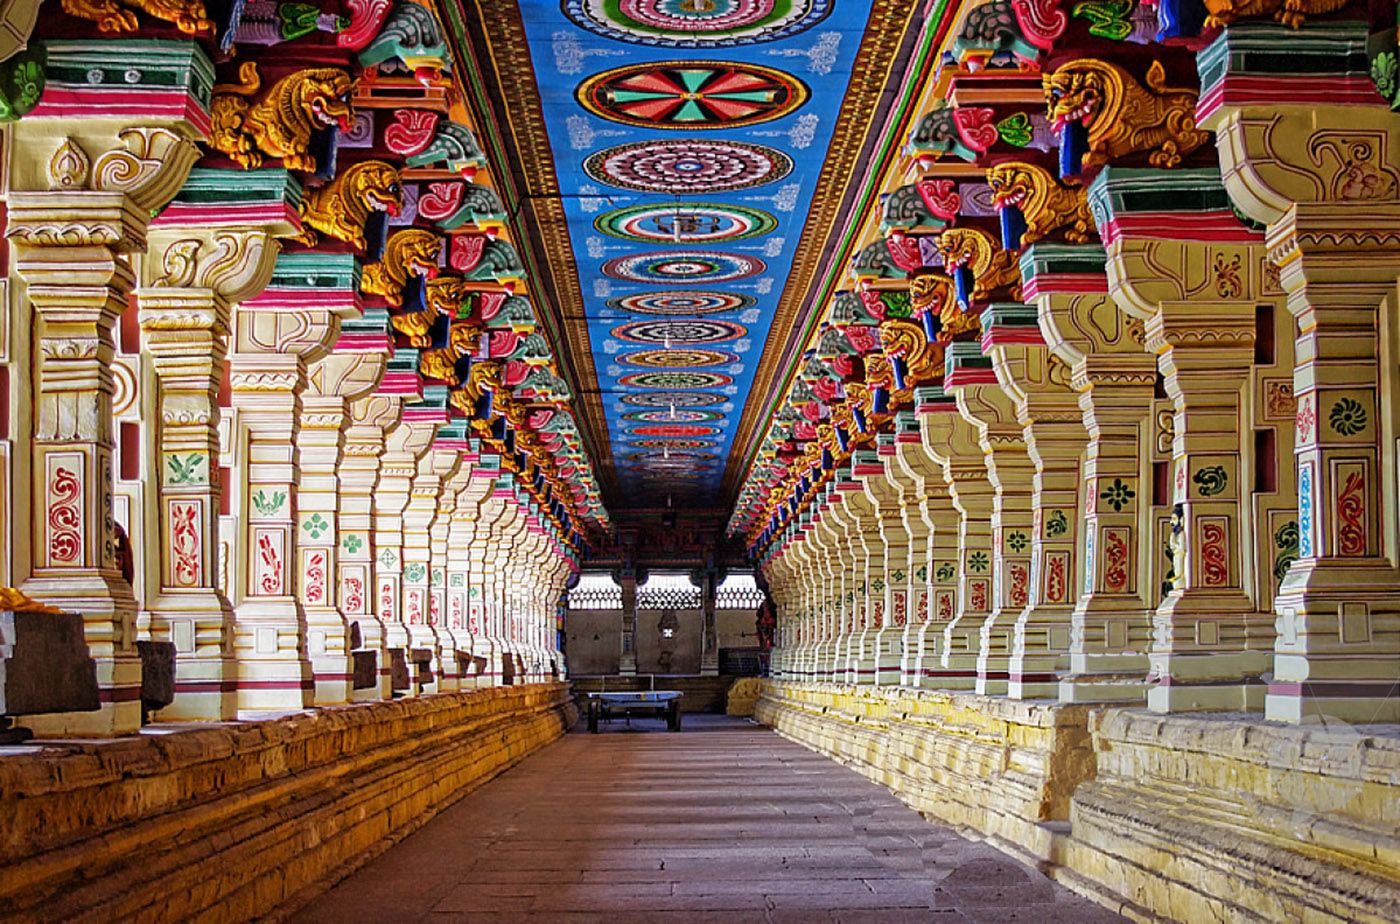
[676, 380]
[686, 224]
[679, 359]
[692, 94]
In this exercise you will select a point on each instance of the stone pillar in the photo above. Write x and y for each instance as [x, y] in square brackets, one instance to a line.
[709, 654]
[448, 601]
[82, 190]
[1197, 300]
[334, 384]
[397, 469]
[197, 266]
[1111, 626]
[862, 544]
[629, 623]
[436, 466]
[371, 416]
[1048, 410]
[984, 404]
[893, 596]
[938, 594]
[952, 442]
[1318, 169]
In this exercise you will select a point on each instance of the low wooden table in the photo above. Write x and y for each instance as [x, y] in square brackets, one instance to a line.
[661, 703]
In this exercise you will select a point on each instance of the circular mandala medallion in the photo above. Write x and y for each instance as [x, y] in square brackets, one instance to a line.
[684, 167]
[676, 457]
[684, 265]
[682, 302]
[691, 94]
[685, 224]
[675, 430]
[676, 399]
[687, 331]
[676, 380]
[668, 416]
[679, 359]
[696, 23]
[673, 445]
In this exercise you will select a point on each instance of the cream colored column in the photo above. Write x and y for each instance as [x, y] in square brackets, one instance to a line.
[1048, 411]
[448, 604]
[887, 499]
[944, 524]
[1315, 162]
[370, 417]
[912, 504]
[82, 189]
[436, 466]
[983, 403]
[195, 269]
[952, 442]
[862, 543]
[1111, 627]
[398, 468]
[1197, 300]
[352, 371]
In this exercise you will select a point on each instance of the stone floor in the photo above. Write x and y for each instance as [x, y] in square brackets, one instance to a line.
[725, 821]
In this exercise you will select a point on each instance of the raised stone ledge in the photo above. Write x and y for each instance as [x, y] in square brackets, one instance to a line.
[1226, 817]
[1190, 818]
[1002, 768]
[224, 822]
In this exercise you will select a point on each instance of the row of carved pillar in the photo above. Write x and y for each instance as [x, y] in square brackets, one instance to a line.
[306, 524]
[1168, 474]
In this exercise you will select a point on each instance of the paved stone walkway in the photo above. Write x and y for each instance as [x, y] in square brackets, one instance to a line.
[724, 821]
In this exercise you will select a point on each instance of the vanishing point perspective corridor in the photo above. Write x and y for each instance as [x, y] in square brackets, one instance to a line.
[700, 460]
[727, 822]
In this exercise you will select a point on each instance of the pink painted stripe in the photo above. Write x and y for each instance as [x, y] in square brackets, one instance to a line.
[1011, 336]
[1065, 284]
[849, 486]
[970, 377]
[1285, 91]
[866, 469]
[62, 102]
[301, 299]
[252, 213]
[1219, 226]
[949, 408]
[908, 438]
[363, 343]
[400, 383]
[425, 414]
[884, 451]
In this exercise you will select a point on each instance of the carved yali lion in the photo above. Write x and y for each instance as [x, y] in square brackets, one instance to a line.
[410, 252]
[1045, 204]
[282, 122]
[189, 16]
[341, 208]
[1123, 117]
[992, 267]
[1292, 13]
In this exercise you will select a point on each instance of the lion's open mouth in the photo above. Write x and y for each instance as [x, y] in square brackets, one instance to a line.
[1084, 112]
[1008, 198]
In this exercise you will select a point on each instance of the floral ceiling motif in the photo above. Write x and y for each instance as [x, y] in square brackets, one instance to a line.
[688, 137]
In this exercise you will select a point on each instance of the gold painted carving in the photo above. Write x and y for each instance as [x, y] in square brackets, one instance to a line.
[189, 16]
[1122, 116]
[69, 168]
[14, 600]
[282, 122]
[992, 267]
[1292, 13]
[410, 252]
[340, 208]
[1045, 204]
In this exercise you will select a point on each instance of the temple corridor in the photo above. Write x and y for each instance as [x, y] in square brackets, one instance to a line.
[726, 822]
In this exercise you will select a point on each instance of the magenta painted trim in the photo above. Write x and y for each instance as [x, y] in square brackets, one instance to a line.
[458, 444]
[363, 343]
[425, 414]
[119, 694]
[65, 102]
[276, 685]
[1220, 226]
[850, 486]
[184, 213]
[206, 686]
[400, 383]
[1276, 91]
[948, 408]
[862, 470]
[908, 438]
[1012, 336]
[302, 299]
[964, 377]
[1065, 284]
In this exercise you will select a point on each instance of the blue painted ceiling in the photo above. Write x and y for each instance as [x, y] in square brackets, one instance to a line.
[688, 136]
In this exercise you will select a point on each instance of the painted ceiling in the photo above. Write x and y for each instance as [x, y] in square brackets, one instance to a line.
[688, 136]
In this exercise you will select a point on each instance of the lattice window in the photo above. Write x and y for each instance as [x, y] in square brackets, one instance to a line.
[738, 592]
[668, 592]
[597, 591]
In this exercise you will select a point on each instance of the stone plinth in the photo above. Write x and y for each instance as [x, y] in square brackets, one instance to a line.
[44, 664]
[1229, 818]
[1004, 768]
[227, 823]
